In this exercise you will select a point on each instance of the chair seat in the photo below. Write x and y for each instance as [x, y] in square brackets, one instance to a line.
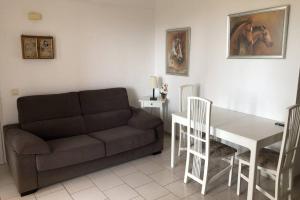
[267, 158]
[218, 149]
[124, 138]
[70, 151]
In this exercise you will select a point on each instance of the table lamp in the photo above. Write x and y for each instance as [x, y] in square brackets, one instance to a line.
[154, 84]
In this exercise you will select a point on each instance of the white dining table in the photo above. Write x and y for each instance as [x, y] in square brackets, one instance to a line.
[246, 130]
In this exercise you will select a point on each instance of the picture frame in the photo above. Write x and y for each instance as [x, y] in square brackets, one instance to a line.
[37, 47]
[45, 47]
[29, 47]
[178, 51]
[258, 34]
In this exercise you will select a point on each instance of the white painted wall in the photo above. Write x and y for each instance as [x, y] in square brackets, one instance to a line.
[98, 45]
[260, 87]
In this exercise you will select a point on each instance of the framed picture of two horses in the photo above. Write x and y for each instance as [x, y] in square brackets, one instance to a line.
[258, 34]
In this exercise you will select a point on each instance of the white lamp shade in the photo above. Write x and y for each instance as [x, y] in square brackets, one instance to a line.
[153, 81]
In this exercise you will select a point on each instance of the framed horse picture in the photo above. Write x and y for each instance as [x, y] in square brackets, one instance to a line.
[178, 51]
[258, 34]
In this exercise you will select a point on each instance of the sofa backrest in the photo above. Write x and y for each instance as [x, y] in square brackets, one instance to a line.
[51, 116]
[104, 109]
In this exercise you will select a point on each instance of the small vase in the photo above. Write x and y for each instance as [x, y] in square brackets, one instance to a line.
[163, 96]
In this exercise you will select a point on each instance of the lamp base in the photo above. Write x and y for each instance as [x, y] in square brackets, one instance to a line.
[153, 98]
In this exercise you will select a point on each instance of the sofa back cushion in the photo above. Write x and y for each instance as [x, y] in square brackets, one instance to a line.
[51, 116]
[104, 109]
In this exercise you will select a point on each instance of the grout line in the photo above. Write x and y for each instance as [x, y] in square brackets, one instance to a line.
[83, 188]
[97, 186]
[67, 191]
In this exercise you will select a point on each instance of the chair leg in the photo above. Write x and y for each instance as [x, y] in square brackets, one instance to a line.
[238, 192]
[290, 184]
[258, 177]
[203, 191]
[231, 170]
[179, 142]
[187, 165]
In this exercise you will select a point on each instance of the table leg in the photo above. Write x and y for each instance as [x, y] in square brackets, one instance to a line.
[161, 110]
[252, 172]
[173, 144]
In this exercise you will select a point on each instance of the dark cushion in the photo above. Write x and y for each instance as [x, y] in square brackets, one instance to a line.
[51, 116]
[105, 109]
[45, 107]
[143, 120]
[25, 143]
[70, 151]
[56, 128]
[98, 101]
[106, 120]
[124, 138]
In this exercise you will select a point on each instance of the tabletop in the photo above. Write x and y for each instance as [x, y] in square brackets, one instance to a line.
[245, 125]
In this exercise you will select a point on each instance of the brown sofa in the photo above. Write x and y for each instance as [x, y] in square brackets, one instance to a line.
[62, 136]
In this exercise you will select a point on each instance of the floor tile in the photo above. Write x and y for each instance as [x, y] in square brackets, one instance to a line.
[149, 167]
[60, 195]
[141, 160]
[180, 189]
[124, 169]
[164, 177]
[77, 184]
[138, 198]
[28, 197]
[8, 191]
[199, 196]
[226, 194]
[49, 190]
[106, 180]
[169, 197]
[122, 192]
[89, 194]
[137, 179]
[152, 191]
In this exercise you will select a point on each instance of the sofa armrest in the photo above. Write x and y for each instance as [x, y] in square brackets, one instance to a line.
[143, 120]
[25, 143]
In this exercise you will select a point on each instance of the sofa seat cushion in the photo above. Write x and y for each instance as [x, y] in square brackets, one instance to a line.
[124, 138]
[70, 151]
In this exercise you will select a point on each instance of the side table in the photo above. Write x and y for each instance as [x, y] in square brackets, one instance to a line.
[160, 103]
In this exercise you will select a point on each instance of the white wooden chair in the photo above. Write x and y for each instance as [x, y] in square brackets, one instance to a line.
[185, 91]
[279, 166]
[203, 148]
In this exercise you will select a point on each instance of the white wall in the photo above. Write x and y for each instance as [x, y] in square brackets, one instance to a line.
[97, 46]
[260, 87]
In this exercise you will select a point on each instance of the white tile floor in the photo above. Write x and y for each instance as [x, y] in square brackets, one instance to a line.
[146, 178]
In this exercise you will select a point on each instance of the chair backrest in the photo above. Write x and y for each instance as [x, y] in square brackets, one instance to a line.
[186, 91]
[289, 147]
[290, 140]
[199, 112]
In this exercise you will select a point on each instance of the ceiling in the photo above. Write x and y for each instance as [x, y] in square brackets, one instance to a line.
[135, 3]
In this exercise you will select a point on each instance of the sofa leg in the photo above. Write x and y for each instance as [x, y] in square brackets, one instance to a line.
[28, 192]
[156, 153]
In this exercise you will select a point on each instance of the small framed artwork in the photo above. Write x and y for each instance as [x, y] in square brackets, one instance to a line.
[45, 46]
[37, 47]
[29, 47]
[258, 34]
[178, 51]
